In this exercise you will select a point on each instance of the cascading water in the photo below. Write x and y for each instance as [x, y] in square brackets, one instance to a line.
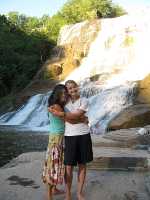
[123, 46]
[106, 105]
[29, 116]
[118, 57]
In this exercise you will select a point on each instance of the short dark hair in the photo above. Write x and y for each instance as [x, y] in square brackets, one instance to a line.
[70, 82]
[54, 98]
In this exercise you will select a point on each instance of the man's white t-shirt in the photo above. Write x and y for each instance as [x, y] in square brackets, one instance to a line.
[80, 128]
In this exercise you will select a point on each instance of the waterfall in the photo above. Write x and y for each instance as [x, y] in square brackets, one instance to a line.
[122, 45]
[31, 115]
[117, 58]
[104, 105]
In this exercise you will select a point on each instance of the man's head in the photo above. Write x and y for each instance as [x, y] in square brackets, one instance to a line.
[72, 88]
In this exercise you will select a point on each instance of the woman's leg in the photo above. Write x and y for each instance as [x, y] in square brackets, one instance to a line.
[49, 192]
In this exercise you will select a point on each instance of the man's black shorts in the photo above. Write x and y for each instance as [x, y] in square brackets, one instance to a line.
[78, 150]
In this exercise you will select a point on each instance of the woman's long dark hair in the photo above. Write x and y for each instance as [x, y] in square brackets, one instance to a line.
[55, 97]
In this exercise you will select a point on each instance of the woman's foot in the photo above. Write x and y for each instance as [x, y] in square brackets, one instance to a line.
[56, 191]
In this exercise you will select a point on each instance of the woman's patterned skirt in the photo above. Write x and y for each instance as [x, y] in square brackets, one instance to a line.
[53, 170]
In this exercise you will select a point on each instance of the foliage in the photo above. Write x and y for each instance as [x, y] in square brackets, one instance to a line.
[53, 26]
[79, 10]
[21, 55]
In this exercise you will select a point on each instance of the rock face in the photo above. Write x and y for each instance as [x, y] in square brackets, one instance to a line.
[137, 115]
[144, 91]
[134, 116]
[73, 45]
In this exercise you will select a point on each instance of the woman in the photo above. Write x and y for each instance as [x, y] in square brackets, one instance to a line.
[53, 173]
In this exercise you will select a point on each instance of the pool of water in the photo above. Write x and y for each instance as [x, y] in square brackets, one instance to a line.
[13, 144]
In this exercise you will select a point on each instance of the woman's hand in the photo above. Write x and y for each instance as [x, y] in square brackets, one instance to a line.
[51, 109]
[56, 111]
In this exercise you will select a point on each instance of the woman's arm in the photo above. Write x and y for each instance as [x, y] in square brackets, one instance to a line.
[55, 110]
[72, 117]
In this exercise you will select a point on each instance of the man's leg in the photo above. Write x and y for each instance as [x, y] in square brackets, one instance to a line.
[68, 180]
[81, 181]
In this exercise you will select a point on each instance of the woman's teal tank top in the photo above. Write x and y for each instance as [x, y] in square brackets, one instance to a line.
[56, 125]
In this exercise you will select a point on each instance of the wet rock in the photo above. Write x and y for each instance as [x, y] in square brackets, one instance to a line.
[147, 184]
[76, 62]
[133, 195]
[16, 180]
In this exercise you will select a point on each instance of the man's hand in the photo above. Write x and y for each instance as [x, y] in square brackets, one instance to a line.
[84, 119]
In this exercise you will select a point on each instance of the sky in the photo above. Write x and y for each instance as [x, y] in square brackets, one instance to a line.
[132, 3]
[31, 7]
[40, 7]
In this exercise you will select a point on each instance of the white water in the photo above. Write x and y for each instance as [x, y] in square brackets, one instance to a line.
[104, 105]
[68, 32]
[119, 54]
[107, 104]
[122, 44]
[31, 115]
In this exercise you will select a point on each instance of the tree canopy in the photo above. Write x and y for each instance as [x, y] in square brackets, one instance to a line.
[21, 55]
[78, 10]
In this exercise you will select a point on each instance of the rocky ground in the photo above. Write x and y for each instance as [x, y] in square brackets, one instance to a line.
[120, 170]
[20, 180]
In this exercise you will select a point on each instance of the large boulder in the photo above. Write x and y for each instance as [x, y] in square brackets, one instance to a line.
[134, 116]
[144, 90]
[137, 115]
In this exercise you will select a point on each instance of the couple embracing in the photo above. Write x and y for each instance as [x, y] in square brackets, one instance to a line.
[69, 140]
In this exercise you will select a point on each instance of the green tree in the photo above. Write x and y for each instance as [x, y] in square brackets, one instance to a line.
[21, 55]
[17, 19]
[78, 10]
[53, 26]
[32, 23]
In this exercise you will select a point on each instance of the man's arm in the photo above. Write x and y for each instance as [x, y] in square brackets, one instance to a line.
[82, 119]
[72, 117]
